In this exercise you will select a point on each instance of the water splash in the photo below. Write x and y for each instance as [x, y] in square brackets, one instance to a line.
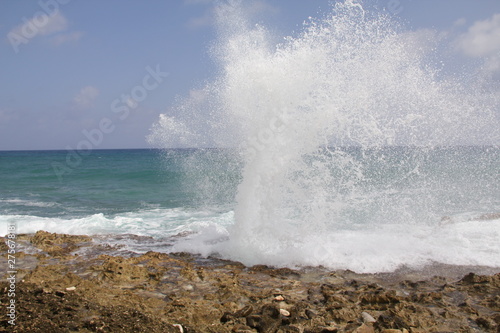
[353, 80]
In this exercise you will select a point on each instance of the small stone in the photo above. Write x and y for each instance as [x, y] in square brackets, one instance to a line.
[391, 330]
[188, 287]
[279, 298]
[367, 318]
[284, 312]
[310, 314]
[70, 288]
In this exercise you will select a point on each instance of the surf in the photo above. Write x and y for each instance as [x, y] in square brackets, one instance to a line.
[338, 128]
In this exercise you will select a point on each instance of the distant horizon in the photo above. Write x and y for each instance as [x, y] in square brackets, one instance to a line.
[237, 148]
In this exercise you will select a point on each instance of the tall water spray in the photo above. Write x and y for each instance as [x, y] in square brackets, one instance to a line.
[338, 129]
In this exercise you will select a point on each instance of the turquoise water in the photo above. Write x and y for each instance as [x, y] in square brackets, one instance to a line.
[437, 204]
[107, 181]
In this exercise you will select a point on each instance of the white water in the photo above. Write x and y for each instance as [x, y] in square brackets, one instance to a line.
[352, 78]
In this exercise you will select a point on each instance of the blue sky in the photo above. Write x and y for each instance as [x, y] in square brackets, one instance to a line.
[70, 67]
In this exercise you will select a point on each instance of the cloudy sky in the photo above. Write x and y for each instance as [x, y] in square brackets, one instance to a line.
[104, 70]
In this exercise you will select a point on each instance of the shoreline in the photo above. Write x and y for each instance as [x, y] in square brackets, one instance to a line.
[61, 288]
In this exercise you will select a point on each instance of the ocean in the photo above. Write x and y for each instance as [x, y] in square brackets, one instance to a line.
[405, 207]
[352, 143]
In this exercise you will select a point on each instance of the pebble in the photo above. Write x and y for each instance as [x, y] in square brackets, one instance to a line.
[279, 298]
[284, 312]
[367, 318]
[70, 288]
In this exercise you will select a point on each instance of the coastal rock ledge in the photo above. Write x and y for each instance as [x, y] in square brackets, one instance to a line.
[75, 284]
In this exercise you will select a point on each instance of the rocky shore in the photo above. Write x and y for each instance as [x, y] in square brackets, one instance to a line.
[72, 284]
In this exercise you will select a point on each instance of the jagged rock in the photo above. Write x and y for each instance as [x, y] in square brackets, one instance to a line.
[148, 292]
[57, 244]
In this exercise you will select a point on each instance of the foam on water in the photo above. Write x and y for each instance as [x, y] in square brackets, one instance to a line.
[353, 78]
[157, 223]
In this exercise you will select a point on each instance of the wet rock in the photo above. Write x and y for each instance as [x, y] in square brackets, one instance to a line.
[58, 244]
[121, 270]
[151, 292]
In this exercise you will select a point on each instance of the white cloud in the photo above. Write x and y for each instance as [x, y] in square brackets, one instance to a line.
[85, 98]
[57, 22]
[482, 39]
[460, 22]
[54, 27]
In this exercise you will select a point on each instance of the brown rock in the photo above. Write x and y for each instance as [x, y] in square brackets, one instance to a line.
[58, 244]
[365, 329]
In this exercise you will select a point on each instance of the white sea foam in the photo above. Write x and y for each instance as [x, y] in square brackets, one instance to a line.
[353, 78]
[367, 250]
[29, 203]
[154, 222]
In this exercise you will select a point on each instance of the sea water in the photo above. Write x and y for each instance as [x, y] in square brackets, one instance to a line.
[345, 146]
[407, 210]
